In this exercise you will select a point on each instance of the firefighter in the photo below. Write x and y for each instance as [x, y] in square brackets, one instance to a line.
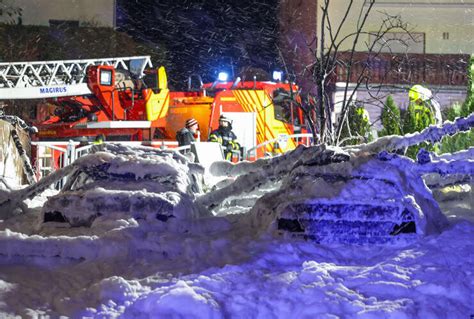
[425, 109]
[422, 112]
[97, 145]
[224, 136]
[99, 139]
[189, 133]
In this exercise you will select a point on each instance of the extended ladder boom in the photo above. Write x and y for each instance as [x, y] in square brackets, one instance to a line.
[46, 79]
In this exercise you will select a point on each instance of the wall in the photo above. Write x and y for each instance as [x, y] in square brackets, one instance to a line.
[91, 12]
[431, 17]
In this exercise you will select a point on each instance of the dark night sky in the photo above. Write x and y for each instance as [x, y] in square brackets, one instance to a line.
[205, 36]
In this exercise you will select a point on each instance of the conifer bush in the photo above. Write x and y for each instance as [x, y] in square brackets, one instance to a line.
[390, 118]
[357, 128]
[464, 140]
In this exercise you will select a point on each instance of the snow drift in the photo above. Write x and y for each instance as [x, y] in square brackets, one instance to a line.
[222, 254]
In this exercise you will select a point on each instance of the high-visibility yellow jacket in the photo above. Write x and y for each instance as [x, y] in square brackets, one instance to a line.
[227, 139]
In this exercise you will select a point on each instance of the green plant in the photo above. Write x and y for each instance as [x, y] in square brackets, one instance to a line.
[460, 141]
[357, 128]
[451, 112]
[390, 118]
[468, 105]
[417, 118]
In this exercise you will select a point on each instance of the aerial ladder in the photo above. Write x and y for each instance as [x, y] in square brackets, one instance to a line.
[54, 79]
[51, 79]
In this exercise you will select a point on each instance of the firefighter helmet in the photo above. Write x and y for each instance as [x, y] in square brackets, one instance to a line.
[222, 118]
[419, 92]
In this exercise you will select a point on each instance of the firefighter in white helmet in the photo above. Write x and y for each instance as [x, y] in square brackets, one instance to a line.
[224, 136]
[423, 111]
[421, 101]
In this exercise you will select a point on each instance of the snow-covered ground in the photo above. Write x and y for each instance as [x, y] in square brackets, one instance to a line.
[133, 266]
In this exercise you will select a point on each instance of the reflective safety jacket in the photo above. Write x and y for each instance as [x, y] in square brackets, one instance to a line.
[227, 139]
[420, 117]
[421, 105]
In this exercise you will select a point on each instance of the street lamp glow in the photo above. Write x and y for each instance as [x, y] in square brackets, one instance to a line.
[223, 76]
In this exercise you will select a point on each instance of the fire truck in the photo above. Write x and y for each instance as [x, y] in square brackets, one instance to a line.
[127, 100]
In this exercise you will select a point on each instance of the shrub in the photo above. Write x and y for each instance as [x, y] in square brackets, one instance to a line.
[390, 118]
[460, 141]
[417, 118]
[357, 129]
[468, 105]
[464, 140]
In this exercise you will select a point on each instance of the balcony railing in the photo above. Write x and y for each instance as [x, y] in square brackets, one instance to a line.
[390, 69]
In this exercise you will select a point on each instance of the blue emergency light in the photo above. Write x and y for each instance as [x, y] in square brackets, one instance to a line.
[223, 76]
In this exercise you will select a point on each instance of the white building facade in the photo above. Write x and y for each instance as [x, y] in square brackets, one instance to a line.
[97, 13]
[438, 26]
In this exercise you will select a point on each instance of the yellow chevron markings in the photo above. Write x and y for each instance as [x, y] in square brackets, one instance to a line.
[248, 105]
[253, 101]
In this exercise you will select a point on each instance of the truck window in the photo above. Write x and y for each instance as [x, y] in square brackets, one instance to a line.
[282, 106]
[151, 80]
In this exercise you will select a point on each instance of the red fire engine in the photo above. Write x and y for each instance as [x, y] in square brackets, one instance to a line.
[125, 99]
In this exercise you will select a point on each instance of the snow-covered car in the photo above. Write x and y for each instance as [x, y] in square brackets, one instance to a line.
[362, 199]
[139, 183]
[329, 195]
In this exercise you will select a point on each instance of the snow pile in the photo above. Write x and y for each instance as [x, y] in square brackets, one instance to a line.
[132, 263]
[271, 279]
[329, 195]
[433, 133]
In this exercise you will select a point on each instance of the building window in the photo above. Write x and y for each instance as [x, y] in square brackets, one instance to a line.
[400, 42]
[445, 35]
[64, 23]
